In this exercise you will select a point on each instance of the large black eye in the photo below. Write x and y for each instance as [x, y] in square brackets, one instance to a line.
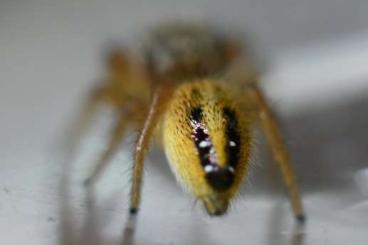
[201, 137]
[233, 138]
[220, 178]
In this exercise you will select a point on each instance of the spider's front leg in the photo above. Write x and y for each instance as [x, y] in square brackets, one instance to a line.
[118, 91]
[116, 136]
[279, 151]
[83, 120]
[161, 96]
[105, 90]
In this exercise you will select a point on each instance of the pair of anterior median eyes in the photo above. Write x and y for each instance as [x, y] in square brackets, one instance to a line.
[206, 143]
[211, 168]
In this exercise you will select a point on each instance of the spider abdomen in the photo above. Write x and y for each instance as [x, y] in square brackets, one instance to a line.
[207, 142]
[183, 51]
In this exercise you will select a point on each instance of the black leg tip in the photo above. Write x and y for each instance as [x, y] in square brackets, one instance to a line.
[133, 211]
[86, 183]
[301, 219]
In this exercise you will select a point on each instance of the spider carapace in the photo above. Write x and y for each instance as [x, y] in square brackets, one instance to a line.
[198, 92]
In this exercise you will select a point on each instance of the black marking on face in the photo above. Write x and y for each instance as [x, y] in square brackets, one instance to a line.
[233, 145]
[220, 178]
[196, 114]
[201, 138]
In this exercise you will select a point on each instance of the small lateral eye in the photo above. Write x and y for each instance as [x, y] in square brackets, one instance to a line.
[204, 144]
[208, 168]
[233, 137]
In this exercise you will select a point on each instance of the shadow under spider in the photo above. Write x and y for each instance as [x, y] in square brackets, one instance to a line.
[91, 231]
[276, 236]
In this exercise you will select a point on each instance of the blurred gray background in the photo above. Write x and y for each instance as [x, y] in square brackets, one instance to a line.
[313, 54]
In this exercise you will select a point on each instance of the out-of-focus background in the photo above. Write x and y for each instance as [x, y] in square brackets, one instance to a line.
[313, 54]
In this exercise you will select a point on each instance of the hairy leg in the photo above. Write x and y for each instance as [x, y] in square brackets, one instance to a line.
[160, 98]
[116, 136]
[84, 118]
[279, 151]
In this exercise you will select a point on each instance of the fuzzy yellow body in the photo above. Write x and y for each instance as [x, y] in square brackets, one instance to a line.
[205, 122]
[212, 97]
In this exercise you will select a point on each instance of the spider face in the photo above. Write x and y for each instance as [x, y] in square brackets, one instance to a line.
[207, 142]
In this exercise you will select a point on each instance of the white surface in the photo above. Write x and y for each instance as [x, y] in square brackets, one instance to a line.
[324, 73]
[49, 57]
